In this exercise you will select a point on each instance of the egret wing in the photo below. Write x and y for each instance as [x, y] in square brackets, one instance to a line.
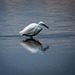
[29, 29]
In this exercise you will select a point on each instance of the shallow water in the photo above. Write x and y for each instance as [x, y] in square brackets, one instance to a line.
[52, 52]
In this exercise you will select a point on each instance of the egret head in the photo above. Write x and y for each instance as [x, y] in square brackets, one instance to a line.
[43, 24]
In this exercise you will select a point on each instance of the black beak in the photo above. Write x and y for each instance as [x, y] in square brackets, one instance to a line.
[45, 26]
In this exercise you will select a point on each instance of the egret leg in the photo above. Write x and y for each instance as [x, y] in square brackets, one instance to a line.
[31, 37]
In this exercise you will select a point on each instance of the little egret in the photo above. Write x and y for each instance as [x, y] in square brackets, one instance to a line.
[33, 29]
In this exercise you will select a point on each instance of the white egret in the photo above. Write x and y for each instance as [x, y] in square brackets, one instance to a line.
[33, 29]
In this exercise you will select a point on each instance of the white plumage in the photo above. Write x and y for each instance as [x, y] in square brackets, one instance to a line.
[32, 29]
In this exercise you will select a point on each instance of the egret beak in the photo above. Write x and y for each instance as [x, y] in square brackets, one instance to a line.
[45, 26]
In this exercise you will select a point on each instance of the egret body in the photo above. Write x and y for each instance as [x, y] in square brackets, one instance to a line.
[33, 29]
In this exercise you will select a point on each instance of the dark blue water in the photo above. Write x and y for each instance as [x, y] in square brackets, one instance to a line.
[52, 52]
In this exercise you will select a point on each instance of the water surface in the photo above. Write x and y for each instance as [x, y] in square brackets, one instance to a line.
[52, 52]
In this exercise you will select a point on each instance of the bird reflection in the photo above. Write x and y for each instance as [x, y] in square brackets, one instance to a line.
[34, 46]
